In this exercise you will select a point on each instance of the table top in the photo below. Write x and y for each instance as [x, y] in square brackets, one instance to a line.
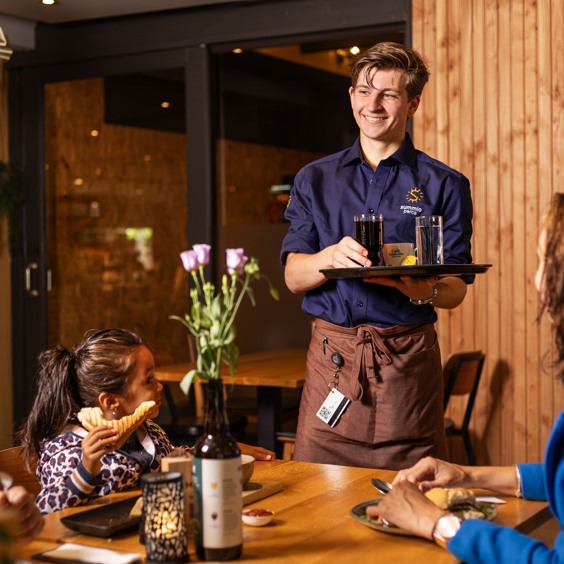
[312, 521]
[282, 368]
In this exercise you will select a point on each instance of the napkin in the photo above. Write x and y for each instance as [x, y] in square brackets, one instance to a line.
[79, 553]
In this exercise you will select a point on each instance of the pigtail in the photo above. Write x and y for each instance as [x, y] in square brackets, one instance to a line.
[55, 401]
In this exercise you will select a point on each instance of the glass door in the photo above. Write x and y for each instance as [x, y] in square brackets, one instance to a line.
[116, 207]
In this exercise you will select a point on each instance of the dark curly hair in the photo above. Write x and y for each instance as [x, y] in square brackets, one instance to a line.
[389, 55]
[67, 381]
[552, 282]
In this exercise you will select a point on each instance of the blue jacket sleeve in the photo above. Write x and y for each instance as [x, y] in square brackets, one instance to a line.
[483, 542]
[533, 481]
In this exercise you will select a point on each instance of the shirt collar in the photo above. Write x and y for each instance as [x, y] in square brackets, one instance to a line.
[406, 154]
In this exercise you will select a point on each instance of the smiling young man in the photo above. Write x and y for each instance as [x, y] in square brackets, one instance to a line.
[379, 401]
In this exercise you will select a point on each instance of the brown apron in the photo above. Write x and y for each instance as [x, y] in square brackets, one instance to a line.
[393, 378]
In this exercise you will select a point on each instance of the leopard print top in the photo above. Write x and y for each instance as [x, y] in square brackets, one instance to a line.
[66, 483]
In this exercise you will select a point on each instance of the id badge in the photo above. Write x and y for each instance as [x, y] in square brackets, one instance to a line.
[333, 406]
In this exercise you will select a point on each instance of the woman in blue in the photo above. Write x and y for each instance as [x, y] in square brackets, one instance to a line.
[382, 329]
[475, 541]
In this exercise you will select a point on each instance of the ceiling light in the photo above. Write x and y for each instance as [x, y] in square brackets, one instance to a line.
[48, 2]
[354, 50]
[238, 50]
[165, 104]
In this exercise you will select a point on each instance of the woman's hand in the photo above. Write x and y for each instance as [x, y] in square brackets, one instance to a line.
[406, 507]
[258, 452]
[432, 473]
[30, 521]
[98, 442]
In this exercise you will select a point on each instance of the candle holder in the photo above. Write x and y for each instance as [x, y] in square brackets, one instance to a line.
[165, 518]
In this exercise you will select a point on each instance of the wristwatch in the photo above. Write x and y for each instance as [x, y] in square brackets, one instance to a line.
[428, 301]
[445, 528]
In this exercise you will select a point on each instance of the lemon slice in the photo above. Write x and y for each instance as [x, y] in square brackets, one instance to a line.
[409, 260]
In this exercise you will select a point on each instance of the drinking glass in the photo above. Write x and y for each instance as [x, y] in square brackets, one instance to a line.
[429, 239]
[369, 232]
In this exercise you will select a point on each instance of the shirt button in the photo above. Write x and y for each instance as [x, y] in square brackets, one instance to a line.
[370, 210]
[359, 303]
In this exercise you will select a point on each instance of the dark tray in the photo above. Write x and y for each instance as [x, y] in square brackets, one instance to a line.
[416, 270]
[104, 521]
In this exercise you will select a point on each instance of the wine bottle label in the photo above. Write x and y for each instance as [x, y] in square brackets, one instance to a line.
[218, 493]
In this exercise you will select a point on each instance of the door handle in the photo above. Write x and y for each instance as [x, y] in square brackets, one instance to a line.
[32, 266]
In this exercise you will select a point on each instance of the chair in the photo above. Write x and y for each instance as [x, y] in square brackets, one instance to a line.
[288, 440]
[11, 461]
[461, 375]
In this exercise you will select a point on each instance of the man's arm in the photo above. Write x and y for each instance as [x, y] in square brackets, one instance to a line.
[302, 270]
[451, 290]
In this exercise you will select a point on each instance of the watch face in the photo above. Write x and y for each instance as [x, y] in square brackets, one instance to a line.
[447, 526]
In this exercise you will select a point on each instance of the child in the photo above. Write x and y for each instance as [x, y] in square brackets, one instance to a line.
[114, 370]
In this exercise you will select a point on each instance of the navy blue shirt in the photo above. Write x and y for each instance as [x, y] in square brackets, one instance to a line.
[328, 192]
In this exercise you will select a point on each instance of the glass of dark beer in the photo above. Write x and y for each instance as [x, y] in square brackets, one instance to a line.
[369, 232]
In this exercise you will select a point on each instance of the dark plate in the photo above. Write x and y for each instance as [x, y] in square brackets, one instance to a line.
[106, 520]
[416, 270]
[359, 513]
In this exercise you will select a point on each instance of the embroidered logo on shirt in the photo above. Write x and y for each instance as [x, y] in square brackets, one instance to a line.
[414, 195]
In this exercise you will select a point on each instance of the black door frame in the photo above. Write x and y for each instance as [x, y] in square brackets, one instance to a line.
[180, 38]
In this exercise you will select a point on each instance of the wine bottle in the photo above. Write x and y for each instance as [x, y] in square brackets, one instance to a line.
[216, 473]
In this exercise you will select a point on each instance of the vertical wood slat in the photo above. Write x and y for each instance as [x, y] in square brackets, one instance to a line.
[494, 109]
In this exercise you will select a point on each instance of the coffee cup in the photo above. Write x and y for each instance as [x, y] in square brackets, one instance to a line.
[395, 253]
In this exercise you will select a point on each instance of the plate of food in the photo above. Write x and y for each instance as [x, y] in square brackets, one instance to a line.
[415, 270]
[459, 501]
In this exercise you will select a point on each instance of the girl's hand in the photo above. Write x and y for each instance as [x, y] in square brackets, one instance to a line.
[258, 452]
[98, 442]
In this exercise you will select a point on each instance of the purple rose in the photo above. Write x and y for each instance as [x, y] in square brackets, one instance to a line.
[203, 253]
[236, 260]
[189, 260]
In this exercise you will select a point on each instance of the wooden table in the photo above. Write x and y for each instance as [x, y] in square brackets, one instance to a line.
[270, 372]
[312, 521]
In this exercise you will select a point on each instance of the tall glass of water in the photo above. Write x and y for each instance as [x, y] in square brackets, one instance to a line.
[429, 239]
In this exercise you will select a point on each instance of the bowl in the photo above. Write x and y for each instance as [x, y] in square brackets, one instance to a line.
[257, 517]
[248, 467]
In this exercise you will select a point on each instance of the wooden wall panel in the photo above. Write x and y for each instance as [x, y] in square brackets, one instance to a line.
[494, 109]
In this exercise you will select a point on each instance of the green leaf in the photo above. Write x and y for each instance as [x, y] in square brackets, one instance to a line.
[186, 382]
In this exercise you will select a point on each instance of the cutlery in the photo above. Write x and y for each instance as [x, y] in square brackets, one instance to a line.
[381, 485]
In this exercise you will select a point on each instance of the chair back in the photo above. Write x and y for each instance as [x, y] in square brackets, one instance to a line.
[461, 375]
[12, 462]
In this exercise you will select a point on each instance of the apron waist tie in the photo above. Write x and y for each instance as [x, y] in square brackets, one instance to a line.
[369, 344]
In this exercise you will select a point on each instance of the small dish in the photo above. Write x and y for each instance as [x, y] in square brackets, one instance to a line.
[257, 517]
